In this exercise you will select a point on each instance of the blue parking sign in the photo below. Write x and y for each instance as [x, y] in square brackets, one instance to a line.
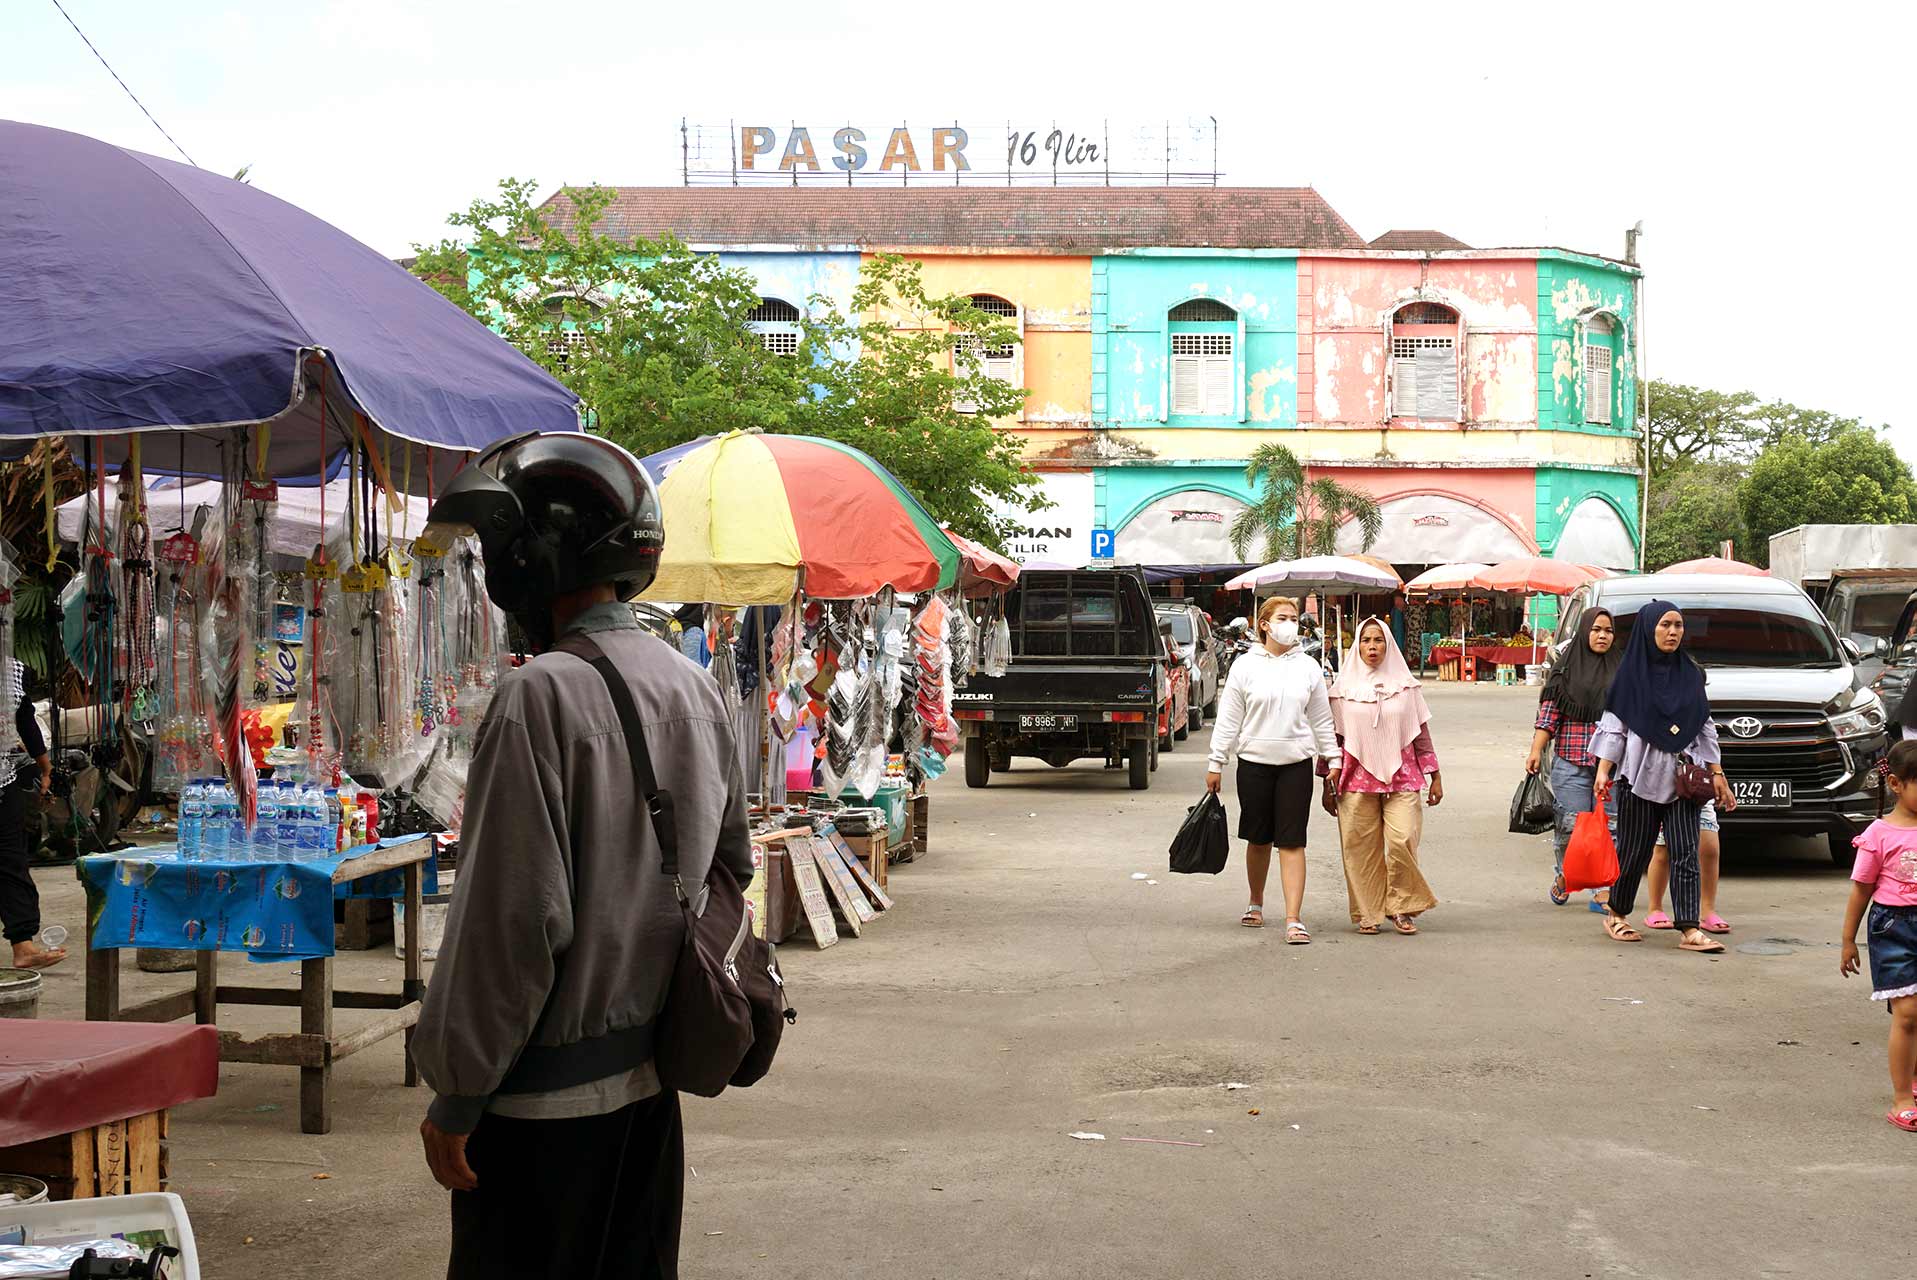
[1104, 544]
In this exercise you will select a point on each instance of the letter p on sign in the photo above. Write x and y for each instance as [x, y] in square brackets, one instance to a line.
[754, 141]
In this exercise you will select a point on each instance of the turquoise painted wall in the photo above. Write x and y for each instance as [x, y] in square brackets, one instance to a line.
[1132, 293]
[1119, 492]
[1569, 287]
[798, 277]
[1561, 489]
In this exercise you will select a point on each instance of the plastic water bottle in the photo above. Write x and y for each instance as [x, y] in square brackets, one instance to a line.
[238, 839]
[266, 824]
[333, 815]
[287, 834]
[312, 824]
[192, 797]
[215, 836]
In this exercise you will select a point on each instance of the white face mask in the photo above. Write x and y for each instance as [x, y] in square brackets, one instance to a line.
[1284, 631]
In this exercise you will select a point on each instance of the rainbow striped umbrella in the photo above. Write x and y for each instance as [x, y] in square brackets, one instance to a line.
[747, 513]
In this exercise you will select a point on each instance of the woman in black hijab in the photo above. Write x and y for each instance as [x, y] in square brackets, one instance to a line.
[1568, 711]
[1657, 728]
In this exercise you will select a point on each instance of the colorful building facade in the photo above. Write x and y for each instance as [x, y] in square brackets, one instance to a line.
[1485, 397]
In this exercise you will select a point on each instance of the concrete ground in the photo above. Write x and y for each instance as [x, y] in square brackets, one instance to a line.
[1506, 1094]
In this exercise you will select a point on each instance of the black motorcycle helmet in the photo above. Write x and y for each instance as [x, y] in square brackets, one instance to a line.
[556, 512]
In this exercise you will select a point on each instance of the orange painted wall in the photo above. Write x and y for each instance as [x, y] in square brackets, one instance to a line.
[1054, 297]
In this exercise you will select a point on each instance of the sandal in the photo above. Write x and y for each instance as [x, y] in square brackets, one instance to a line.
[1296, 934]
[1905, 1119]
[43, 959]
[1403, 925]
[1367, 928]
[1657, 920]
[1702, 943]
[1620, 929]
[1714, 923]
[1559, 894]
[1254, 918]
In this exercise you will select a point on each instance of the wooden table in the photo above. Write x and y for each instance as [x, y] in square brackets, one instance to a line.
[316, 1046]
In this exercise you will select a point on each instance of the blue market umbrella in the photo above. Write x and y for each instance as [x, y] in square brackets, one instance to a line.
[142, 295]
[659, 465]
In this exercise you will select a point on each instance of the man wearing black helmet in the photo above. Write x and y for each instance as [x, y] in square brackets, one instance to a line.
[564, 1156]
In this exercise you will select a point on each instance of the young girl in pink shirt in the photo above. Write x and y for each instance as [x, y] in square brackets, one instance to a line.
[1885, 880]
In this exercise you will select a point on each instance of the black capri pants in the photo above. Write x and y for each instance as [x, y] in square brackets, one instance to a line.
[1274, 803]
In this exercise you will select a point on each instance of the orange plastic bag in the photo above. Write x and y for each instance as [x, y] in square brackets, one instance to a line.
[1590, 860]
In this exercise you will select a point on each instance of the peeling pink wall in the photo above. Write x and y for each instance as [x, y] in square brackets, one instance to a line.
[1509, 493]
[1342, 341]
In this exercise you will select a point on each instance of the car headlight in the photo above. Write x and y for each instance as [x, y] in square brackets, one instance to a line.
[1858, 714]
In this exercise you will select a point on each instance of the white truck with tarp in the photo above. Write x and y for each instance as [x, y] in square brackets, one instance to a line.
[1859, 574]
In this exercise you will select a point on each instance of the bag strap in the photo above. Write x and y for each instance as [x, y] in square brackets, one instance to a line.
[658, 803]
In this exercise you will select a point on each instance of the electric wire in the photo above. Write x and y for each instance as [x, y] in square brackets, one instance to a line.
[123, 84]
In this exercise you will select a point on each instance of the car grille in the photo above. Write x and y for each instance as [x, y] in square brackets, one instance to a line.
[1796, 746]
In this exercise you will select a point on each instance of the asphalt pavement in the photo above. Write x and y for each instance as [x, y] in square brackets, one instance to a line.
[1506, 1094]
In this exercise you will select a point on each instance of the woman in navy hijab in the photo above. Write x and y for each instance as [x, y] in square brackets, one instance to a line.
[1657, 720]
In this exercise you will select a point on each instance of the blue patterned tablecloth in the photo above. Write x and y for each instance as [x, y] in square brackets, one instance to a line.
[152, 897]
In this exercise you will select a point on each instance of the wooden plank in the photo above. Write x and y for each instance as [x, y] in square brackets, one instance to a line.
[373, 1032]
[835, 892]
[316, 1019]
[281, 1049]
[384, 859]
[103, 984]
[776, 837]
[366, 923]
[143, 1153]
[109, 1157]
[873, 882]
[818, 912]
[413, 985]
[832, 867]
[166, 1148]
[165, 1008]
[206, 988]
[86, 1173]
[289, 999]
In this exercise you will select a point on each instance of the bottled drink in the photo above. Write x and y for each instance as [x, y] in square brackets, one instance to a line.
[192, 797]
[368, 804]
[313, 831]
[215, 831]
[266, 823]
[287, 834]
[238, 839]
[331, 799]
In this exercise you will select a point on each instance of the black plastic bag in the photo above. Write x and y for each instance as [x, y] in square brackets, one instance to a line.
[1534, 809]
[1204, 841]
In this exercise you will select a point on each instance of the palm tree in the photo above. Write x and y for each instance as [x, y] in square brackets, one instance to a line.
[1293, 516]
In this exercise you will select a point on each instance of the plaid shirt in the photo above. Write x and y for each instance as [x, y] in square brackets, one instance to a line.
[1572, 738]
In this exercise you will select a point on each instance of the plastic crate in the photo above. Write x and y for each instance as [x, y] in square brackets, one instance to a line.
[64, 1220]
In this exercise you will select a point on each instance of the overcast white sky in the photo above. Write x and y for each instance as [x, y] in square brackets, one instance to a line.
[1769, 157]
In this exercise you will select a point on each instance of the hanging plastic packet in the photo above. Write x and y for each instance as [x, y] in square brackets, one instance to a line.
[226, 651]
[138, 656]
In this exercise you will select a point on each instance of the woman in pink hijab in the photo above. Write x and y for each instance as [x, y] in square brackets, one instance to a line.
[1382, 720]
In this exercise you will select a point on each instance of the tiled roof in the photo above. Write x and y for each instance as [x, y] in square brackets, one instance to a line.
[1047, 219]
[1417, 240]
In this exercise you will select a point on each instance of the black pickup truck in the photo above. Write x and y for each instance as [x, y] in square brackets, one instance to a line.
[1086, 679]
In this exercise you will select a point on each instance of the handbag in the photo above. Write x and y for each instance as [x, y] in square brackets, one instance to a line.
[726, 1006]
[1590, 859]
[1203, 842]
[1533, 807]
[1694, 783]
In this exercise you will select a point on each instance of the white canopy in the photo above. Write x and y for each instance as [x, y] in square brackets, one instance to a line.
[1316, 573]
[1594, 534]
[1430, 528]
[295, 530]
[1192, 526]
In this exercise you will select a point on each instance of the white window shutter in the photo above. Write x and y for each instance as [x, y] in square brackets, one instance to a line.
[1220, 389]
[1404, 386]
[1597, 382]
[1438, 380]
[1187, 385]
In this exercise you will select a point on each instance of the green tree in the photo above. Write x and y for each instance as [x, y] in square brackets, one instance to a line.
[1854, 478]
[1693, 510]
[654, 338]
[1293, 516]
[1695, 424]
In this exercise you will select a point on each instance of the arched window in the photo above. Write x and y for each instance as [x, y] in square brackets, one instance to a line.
[776, 321]
[1424, 362]
[1600, 337]
[1000, 362]
[1204, 359]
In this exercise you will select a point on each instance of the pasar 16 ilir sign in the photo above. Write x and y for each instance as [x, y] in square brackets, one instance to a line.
[850, 149]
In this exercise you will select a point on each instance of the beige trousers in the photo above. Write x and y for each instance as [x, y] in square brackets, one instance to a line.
[1380, 835]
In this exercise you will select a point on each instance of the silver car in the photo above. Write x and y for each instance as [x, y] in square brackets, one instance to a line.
[1198, 642]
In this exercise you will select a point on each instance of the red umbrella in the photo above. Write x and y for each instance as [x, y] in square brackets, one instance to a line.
[1534, 576]
[1717, 564]
[982, 572]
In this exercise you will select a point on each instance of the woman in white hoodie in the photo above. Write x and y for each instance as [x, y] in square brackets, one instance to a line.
[1275, 716]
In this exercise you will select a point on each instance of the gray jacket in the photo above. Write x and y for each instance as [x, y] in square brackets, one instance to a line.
[550, 808]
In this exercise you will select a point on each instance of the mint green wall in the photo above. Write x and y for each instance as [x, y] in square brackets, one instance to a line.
[1119, 492]
[1131, 296]
[1561, 489]
[1569, 287]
